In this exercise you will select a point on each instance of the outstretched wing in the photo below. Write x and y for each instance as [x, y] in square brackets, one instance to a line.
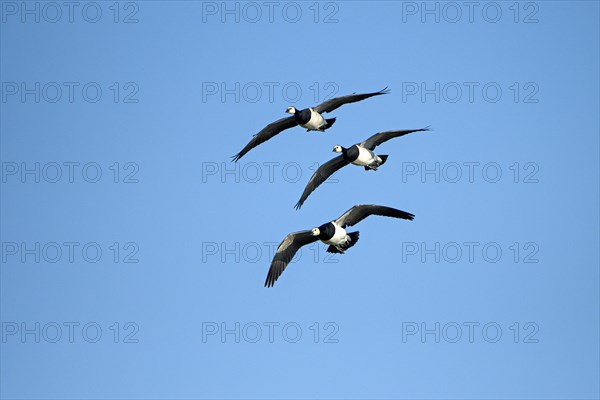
[320, 176]
[267, 133]
[330, 105]
[357, 213]
[381, 137]
[285, 252]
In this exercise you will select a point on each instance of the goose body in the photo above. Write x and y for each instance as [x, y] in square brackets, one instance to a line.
[360, 154]
[310, 119]
[332, 233]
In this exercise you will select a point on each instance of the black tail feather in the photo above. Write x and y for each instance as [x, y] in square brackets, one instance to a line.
[384, 158]
[330, 122]
[353, 239]
[333, 249]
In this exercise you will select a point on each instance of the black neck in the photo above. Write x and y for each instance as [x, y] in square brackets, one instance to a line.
[326, 231]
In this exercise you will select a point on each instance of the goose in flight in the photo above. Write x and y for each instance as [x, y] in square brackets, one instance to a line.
[360, 154]
[331, 233]
[309, 118]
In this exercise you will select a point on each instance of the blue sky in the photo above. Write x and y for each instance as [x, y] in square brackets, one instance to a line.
[134, 252]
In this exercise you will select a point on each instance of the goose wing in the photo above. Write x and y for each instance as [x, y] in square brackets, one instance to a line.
[320, 176]
[357, 213]
[286, 251]
[382, 137]
[267, 133]
[332, 104]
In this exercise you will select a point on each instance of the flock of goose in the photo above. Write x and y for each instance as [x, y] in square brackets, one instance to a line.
[332, 233]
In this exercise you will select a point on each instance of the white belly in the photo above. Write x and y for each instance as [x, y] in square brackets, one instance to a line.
[316, 121]
[339, 237]
[365, 157]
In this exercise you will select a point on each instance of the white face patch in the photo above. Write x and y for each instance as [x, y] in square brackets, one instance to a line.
[316, 231]
[291, 110]
[337, 149]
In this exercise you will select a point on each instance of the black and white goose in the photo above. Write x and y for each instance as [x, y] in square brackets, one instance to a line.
[309, 118]
[332, 233]
[360, 154]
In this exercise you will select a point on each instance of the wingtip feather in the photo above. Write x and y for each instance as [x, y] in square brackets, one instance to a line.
[269, 281]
